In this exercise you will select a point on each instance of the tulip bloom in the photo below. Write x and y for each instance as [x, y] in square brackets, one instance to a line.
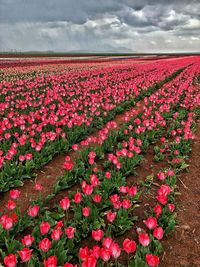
[107, 242]
[44, 228]
[86, 211]
[38, 187]
[65, 203]
[97, 198]
[25, 254]
[78, 197]
[89, 262]
[69, 231]
[55, 234]
[162, 199]
[144, 239]
[105, 254]
[27, 240]
[157, 210]
[151, 222]
[161, 176]
[14, 193]
[152, 260]
[97, 234]
[10, 260]
[45, 244]
[158, 233]
[115, 250]
[111, 216]
[6, 222]
[83, 253]
[171, 207]
[95, 251]
[50, 262]
[11, 204]
[33, 211]
[129, 246]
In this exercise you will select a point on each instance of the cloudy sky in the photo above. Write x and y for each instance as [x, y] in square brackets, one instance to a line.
[100, 25]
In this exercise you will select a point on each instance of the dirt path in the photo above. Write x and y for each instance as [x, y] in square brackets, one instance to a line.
[182, 247]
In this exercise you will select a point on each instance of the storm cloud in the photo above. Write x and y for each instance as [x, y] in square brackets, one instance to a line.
[95, 25]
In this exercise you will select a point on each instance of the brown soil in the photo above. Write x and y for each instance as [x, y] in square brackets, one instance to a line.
[182, 247]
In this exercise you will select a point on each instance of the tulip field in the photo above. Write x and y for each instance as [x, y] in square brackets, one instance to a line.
[90, 154]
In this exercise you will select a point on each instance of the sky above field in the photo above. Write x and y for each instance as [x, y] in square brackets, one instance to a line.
[100, 26]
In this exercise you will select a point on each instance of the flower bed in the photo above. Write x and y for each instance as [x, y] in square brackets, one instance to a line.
[92, 216]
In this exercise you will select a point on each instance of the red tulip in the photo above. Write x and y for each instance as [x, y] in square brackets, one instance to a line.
[97, 198]
[50, 262]
[111, 216]
[78, 197]
[70, 232]
[115, 250]
[25, 254]
[152, 260]
[14, 217]
[124, 189]
[65, 203]
[129, 246]
[95, 251]
[11, 205]
[14, 194]
[27, 240]
[45, 244]
[33, 211]
[144, 239]
[115, 198]
[75, 147]
[108, 175]
[38, 187]
[157, 210]
[105, 254]
[162, 199]
[94, 180]
[161, 176]
[44, 228]
[164, 190]
[88, 189]
[68, 165]
[97, 234]
[10, 260]
[151, 222]
[107, 241]
[171, 207]
[89, 262]
[59, 224]
[6, 222]
[158, 233]
[132, 191]
[170, 172]
[86, 211]
[84, 253]
[126, 203]
[55, 234]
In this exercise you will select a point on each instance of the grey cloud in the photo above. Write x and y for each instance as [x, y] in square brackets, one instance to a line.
[64, 25]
